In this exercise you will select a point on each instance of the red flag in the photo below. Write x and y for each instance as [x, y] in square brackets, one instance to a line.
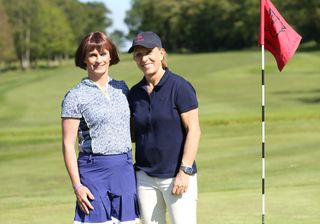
[276, 34]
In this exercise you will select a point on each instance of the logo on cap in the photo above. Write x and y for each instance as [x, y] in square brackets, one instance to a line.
[139, 38]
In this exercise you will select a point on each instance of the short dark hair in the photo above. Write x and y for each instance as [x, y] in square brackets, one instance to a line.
[99, 41]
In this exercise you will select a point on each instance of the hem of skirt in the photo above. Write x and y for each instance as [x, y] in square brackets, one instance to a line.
[112, 221]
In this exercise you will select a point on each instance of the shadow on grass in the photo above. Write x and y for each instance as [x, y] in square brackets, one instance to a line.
[296, 92]
[310, 101]
[307, 99]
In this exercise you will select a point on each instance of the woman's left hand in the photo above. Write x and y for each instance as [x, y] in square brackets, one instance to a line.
[181, 183]
[84, 196]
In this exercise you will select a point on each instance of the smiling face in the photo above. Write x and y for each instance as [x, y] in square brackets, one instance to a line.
[149, 60]
[97, 62]
[96, 43]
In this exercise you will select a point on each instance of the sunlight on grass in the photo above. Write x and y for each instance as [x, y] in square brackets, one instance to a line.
[35, 187]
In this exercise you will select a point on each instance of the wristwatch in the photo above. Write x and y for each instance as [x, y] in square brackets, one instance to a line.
[187, 169]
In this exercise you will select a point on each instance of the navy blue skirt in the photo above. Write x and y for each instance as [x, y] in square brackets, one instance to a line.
[111, 180]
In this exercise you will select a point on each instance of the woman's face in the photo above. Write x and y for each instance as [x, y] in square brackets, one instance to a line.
[97, 62]
[148, 60]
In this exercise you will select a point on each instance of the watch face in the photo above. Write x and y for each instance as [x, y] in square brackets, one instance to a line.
[187, 170]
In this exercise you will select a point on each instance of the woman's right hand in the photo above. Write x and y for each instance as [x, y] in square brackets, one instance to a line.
[84, 196]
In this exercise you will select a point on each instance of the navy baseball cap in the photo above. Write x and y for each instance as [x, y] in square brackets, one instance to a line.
[146, 39]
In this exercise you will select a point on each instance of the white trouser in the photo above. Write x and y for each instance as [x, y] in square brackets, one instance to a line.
[155, 196]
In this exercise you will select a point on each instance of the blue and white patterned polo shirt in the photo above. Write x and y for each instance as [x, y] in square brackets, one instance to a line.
[104, 116]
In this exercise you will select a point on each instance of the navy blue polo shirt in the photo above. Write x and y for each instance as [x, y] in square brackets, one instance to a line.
[159, 132]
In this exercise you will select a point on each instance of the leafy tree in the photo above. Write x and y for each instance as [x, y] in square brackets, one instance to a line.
[304, 16]
[196, 25]
[51, 29]
[76, 15]
[96, 16]
[7, 52]
[55, 36]
[41, 30]
[211, 25]
[158, 16]
[118, 38]
[21, 14]
[85, 17]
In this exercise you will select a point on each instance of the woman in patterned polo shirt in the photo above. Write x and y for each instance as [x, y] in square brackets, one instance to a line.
[97, 112]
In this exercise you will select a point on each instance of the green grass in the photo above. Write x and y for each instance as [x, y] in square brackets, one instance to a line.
[35, 187]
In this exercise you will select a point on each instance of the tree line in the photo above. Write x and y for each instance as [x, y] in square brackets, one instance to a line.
[46, 29]
[51, 29]
[215, 25]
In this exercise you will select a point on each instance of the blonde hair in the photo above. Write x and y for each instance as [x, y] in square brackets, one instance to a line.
[164, 61]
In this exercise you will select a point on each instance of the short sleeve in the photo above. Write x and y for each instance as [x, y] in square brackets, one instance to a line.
[186, 98]
[70, 106]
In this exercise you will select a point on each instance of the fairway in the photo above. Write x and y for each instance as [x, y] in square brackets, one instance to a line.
[35, 187]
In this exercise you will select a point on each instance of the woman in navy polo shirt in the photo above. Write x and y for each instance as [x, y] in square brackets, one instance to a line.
[166, 131]
[98, 112]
